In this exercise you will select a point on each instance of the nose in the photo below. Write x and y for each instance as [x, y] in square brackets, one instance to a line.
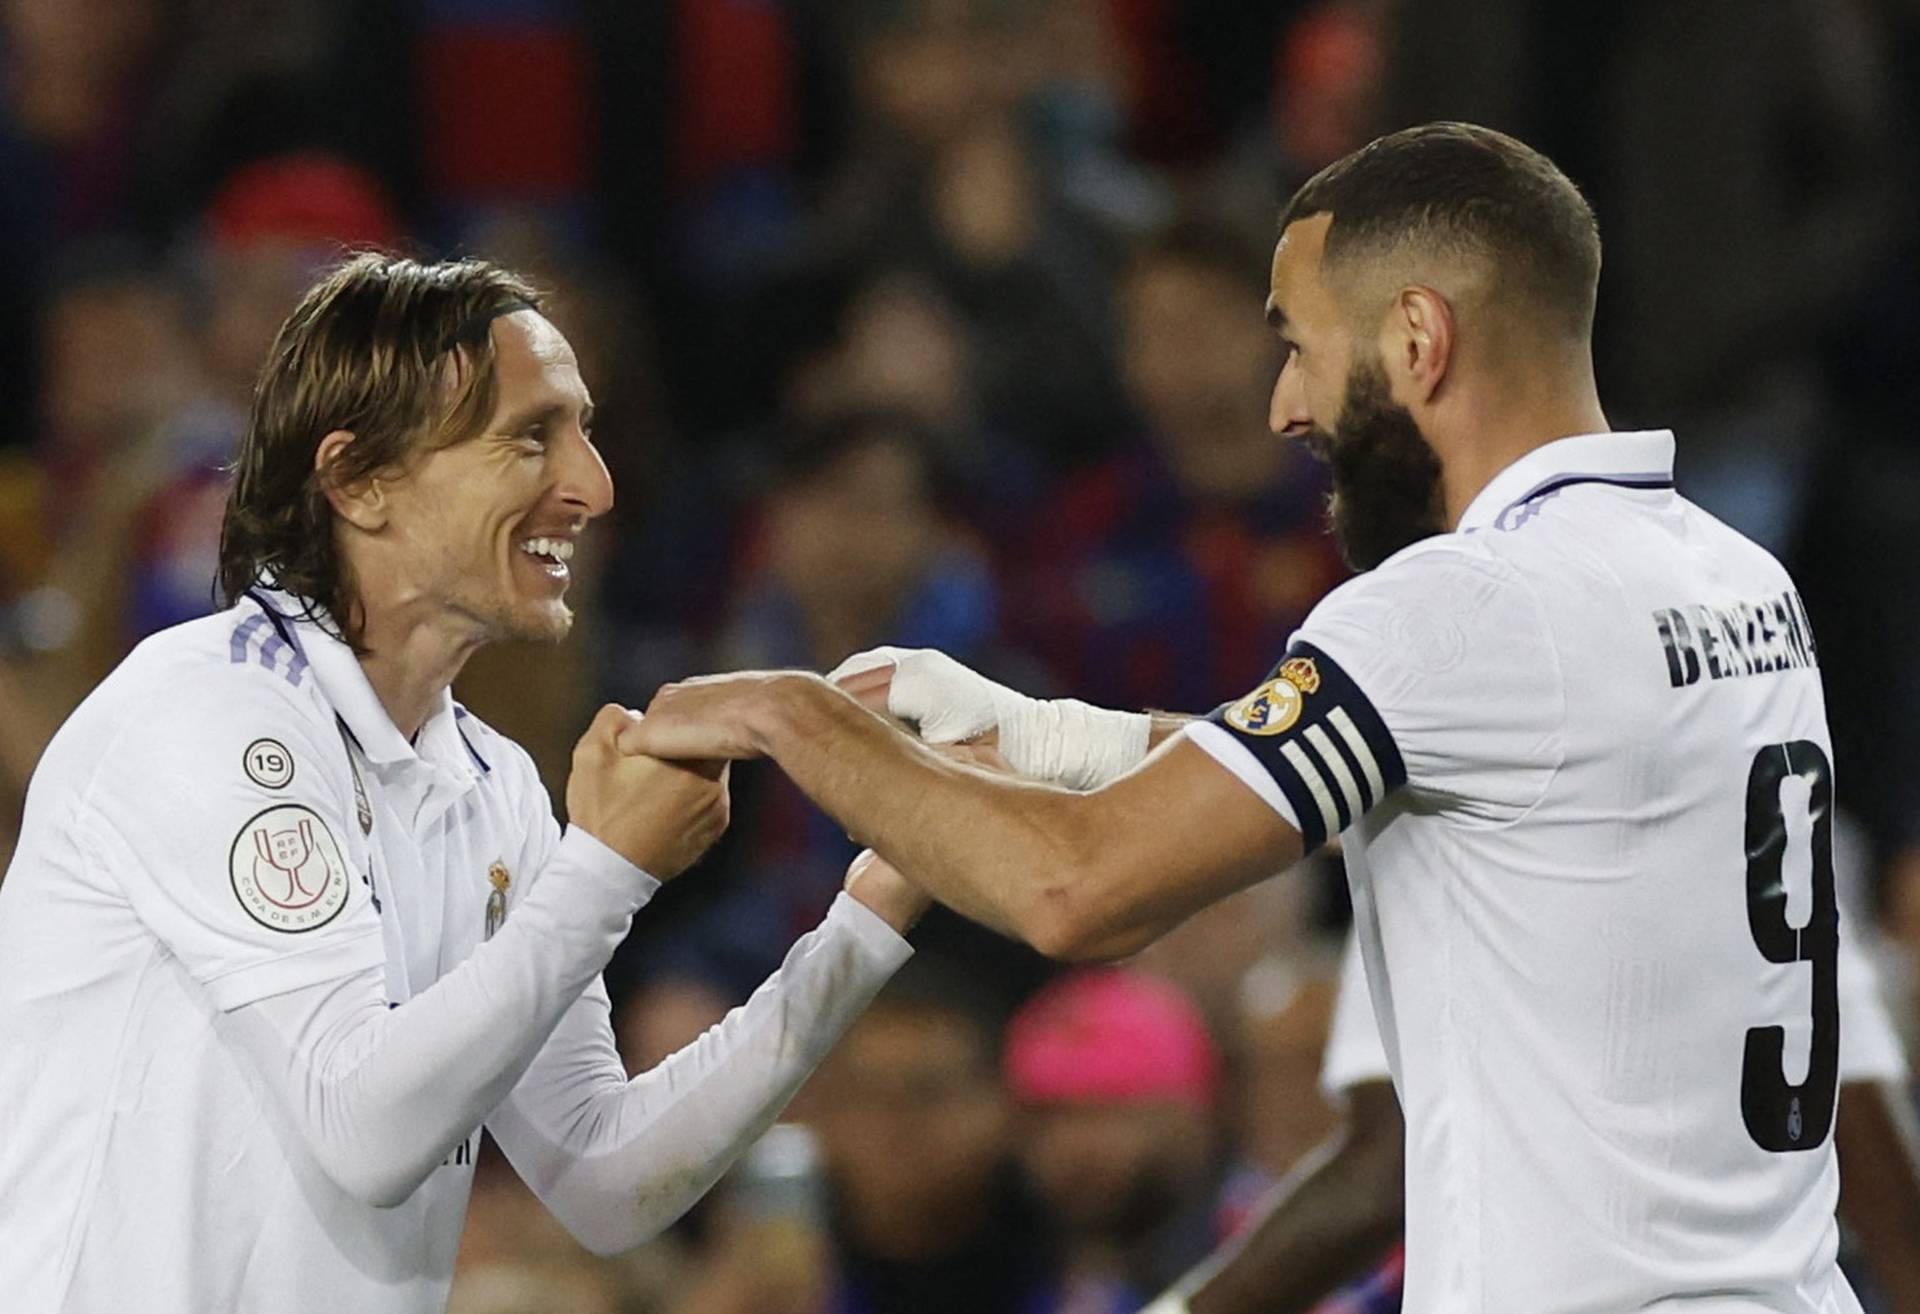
[584, 484]
[1287, 414]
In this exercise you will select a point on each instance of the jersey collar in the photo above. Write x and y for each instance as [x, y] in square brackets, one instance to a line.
[344, 684]
[1642, 460]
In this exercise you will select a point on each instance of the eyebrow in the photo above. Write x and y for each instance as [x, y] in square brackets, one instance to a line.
[541, 413]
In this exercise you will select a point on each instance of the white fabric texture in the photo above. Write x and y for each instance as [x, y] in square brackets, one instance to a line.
[1061, 740]
[1559, 912]
[1870, 1048]
[618, 1160]
[266, 965]
[382, 1095]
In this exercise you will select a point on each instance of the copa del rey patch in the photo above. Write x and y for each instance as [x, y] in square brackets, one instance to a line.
[287, 870]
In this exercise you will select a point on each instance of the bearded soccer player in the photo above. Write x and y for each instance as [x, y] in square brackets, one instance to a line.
[287, 925]
[1569, 726]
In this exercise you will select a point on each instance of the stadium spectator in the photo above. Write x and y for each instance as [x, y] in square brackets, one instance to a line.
[114, 369]
[1120, 1085]
[1175, 569]
[847, 548]
[942, 177]
[931, 1216]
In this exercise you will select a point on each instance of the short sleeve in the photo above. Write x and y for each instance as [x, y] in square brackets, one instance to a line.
[1355, 1054]
[222, 812]
[1435, 673]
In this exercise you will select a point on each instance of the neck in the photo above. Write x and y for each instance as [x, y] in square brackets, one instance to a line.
[1491, 438]
[412, 654]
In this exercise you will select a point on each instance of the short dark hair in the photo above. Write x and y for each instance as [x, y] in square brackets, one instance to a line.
[367, 350]
[1470, 189]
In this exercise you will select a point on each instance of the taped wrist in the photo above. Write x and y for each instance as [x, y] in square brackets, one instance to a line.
[1070, 742]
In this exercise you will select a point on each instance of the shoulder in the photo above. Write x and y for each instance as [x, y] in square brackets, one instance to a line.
[1431, 605]
[192, 692]
[236, 653]
[235, 664]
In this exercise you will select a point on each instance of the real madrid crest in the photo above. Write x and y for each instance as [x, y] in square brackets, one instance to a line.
[500, 878]
[1275, 706]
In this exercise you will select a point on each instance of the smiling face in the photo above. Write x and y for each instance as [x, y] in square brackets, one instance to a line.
[1333, 394]
[484, 530]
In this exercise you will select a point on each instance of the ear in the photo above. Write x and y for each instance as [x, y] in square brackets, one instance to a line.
[1420, 341]
[361, 502]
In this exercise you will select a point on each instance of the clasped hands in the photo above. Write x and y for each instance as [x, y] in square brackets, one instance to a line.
[654, 786]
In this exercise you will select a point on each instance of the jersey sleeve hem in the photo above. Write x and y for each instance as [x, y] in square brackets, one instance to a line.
[589, 853]
[328, 961]
[1236, 757]
[869, 929]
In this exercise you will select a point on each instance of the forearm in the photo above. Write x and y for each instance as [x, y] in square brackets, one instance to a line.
[381, 1094]
[1332, 1218]
[1004, 852]
[616, 1160]
[1880, 1187]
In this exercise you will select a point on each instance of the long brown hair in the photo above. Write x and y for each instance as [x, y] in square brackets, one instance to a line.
[395, 351]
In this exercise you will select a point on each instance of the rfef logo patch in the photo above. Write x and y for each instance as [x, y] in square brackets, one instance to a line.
[1274, 707]
[287, 871]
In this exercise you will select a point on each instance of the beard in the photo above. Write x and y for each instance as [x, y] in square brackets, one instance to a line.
[1386, 476]
[512, 620]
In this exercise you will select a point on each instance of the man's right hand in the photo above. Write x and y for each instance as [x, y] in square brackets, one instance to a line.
[660, 816]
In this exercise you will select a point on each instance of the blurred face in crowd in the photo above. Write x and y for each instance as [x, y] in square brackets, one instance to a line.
[1195, 364]
[854, 536]
[251, 289]
[916, 1127]
[905, 349]
[482, 531]
[929, 67]
[113, 364]
[1333, 394]
[67, 57]
[1116, 1172]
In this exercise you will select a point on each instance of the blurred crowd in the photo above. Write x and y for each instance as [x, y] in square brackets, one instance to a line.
[938, 323]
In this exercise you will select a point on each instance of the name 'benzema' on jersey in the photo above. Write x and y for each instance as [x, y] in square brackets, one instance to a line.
[1593, 887]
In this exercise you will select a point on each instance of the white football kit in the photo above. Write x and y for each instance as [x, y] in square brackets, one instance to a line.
[266, 967]
[1578, 754]
[1870, 1048]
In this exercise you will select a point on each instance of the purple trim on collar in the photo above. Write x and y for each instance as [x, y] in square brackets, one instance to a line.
[1527, 503]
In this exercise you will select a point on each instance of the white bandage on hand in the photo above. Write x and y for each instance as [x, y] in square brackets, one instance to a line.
[1061, 740]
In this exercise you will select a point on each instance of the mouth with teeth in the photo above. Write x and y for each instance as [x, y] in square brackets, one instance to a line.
[551, 555]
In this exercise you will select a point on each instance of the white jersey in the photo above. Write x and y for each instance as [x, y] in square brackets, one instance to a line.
[1579, 755]
[232, 818]
[1870, 1048]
